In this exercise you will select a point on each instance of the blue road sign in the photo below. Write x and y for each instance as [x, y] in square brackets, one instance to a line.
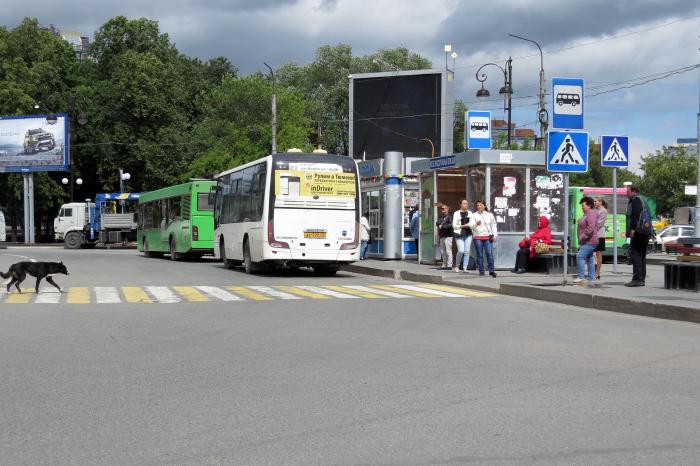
[567, 151]
[567, 103]
[614, 151]
[478, 130]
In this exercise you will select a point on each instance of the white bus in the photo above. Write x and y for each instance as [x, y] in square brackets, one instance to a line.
[289, 210]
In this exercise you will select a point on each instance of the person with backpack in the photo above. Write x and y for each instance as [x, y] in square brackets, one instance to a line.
[462, 234]
[444, 225]
[639, 230]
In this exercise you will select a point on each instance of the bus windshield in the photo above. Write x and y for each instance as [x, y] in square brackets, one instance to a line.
[300, 180]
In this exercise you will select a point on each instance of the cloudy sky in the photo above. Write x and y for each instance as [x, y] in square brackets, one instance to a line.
[612, 45]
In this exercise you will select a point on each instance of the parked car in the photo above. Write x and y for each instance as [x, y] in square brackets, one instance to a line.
[38, 140]
[671, 234]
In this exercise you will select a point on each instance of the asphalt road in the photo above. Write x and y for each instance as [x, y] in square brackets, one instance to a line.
[329, 379]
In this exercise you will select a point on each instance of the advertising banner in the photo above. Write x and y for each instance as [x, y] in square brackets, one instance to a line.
[33, 143]
[314, 183]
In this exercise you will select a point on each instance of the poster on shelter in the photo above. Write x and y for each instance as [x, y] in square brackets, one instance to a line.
[33, 143]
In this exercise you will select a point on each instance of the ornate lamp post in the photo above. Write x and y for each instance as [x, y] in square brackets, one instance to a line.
[506, 91]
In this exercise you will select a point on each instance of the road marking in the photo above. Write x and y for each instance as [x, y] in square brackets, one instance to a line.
[301, 292]
[48, 297]
[16, 298]
[274, 293]
[78, 295]
[250, 294]
[218, 293]
[332, 293]
[460, 291]
[135, 294]
[348, 290]
[107, 295]
[419, 289]
[419, 294]
[389, 294]
[163, 294]
[190, 294]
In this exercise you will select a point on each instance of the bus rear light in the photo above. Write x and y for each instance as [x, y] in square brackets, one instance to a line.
[195, 233]
[271, 237]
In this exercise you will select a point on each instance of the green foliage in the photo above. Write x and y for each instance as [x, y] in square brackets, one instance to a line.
[458, 134]
[665, 175]
[598, 176]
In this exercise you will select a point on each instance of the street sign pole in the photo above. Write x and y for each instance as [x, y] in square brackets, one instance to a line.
[614, 180]
[566, 225]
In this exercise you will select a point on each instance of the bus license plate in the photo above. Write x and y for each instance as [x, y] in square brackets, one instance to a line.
[315, 234]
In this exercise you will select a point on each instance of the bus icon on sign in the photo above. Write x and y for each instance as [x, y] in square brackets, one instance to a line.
[479, 126]
[568, 99]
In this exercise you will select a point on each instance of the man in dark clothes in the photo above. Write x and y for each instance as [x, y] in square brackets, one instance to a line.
[638, 242]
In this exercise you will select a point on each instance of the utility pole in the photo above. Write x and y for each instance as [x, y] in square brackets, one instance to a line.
[697, 180]
[274, 111]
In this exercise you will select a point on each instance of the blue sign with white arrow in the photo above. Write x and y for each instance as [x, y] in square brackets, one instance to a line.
[567, 151]
[614, 151]
[567, 103]
[478, 129]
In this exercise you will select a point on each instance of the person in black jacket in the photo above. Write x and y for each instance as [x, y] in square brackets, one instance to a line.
[444, 225]
[638, 242]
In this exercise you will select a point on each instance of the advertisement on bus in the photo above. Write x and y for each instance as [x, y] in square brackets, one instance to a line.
[33, 143]
[314, 183]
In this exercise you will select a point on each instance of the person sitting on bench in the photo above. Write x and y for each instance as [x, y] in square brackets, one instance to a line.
[527, 245]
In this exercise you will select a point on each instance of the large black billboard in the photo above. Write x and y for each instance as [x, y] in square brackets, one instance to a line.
[396, 113]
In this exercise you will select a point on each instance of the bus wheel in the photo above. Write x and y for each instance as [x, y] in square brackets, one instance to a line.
[73, 240]
[248, 264]
[228, 263]
[325, 271]
[174, 255]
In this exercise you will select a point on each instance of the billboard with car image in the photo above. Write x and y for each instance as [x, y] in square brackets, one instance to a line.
[34, 143]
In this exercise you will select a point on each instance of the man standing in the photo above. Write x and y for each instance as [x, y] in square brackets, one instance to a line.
[413, 226]
[638, 241]
[444, 225]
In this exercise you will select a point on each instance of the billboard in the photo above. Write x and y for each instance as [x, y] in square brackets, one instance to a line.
[33, 143]
[400, 111]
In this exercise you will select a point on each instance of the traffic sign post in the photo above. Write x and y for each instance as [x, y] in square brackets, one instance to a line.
[567, 103]
[478, 130]
[567, 152]
[614, 152]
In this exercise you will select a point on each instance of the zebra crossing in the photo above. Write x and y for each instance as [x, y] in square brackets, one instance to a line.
[200, 294]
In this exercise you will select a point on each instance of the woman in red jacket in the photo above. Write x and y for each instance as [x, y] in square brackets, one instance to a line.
[527, 245]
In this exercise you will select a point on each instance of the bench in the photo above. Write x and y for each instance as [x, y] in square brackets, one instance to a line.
[682, 275]
[551, 262]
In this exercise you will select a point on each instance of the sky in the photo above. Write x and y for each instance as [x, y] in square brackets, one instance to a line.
[610, 45]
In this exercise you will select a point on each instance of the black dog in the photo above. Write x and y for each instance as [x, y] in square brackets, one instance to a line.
[40, 270]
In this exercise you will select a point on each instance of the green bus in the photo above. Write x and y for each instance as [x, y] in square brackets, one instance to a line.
[177, 220]
[575, 214]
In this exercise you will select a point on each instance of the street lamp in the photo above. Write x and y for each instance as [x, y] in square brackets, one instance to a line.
[123, 176]
[542, 114]
[274, 110]
[447, 48]
[78, 181]
[506, 91]
[74, 116]
[454, 60]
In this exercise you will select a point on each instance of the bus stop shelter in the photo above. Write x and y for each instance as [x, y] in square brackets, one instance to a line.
[514, 184]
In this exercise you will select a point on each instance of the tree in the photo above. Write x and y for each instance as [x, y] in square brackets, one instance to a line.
[665, 174]
[458, 133]
[599, 176]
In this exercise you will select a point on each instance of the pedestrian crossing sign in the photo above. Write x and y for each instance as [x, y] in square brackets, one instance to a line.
[614, 151]
[567, 151]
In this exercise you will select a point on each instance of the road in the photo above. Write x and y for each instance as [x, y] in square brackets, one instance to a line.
[149, 362]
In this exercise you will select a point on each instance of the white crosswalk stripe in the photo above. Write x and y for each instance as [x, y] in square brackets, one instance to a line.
[163, 294]
[218, 293]
[334, 294]
[428, 290]
[272, 292]
[390, 294]
[48, 297]
[107, 295]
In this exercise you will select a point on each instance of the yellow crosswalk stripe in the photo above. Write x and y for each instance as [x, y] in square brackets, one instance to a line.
[395, 289]
[363, 294]
[136, 294]
[78, 295]
[16, 298]
[191, 294]
[248, 293]
[461, 291]
[301, 292]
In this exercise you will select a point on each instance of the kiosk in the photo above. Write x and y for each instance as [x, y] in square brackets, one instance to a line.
[514, 184]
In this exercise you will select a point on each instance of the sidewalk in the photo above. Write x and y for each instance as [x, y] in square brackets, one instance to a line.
[609, 293]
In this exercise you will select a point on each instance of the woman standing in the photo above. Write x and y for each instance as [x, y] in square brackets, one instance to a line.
[462, 233]
[483, 227]
[364, 235]
[601, 208]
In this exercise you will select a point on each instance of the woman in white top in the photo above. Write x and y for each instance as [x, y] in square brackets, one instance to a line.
[462, 234]
[602, 210]
[483, 226]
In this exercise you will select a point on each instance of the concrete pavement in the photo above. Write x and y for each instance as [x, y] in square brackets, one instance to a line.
[609, 293]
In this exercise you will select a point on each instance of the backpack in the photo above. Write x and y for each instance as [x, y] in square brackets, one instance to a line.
[644, 224]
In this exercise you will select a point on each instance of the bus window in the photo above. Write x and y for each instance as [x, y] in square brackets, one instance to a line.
[205, 201]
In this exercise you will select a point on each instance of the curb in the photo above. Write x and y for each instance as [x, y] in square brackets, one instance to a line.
[603, 303]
